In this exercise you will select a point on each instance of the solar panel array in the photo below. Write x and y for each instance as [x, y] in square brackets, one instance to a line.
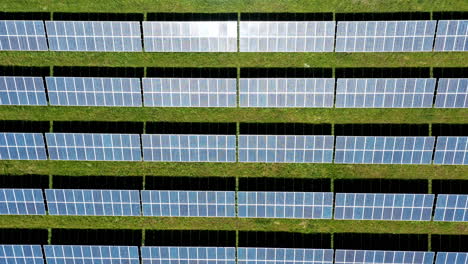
[388, 93]
[193, 36]
[22, 91]
[452, 93]
[287, 92]
[451, 151]
[89, 91]
[451, 258]
[383, 257]
[58, 254]
[19, 254]
[189, 203]
[22, 146]
[384, 150]
[21, 202]
[310, 205]
[384, 36]
[284, 255]
[383, 206]
[93, 202]
[82, 146]
[189, 148]
[94, 36]
[22, 35]
[290, 36]
[291, 149]
[451, 35]
[451, 207]
[195, 255]
[190, 92]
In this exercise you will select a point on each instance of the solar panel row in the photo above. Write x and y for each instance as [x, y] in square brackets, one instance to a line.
[284, 255]
[61, 254]
[196, 255]
[383, 257]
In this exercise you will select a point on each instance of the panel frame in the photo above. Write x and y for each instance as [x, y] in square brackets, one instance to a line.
[442, 35]
[444, 93]
[22, 206]
[92, 253]
[34, 151]
[34, 96]
[368, 256]
[31, 254]
[287, 255]
[453, 213]
[24, 40]
[185, 254]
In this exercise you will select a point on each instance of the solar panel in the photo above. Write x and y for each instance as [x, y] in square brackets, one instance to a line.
[18, 254]
[94, 35]
[56, 254]
[383, 206]
[22, 35]
[22, 91]
[385, 36]
[452, 93]
[194, 255]
[287, 92]
[451, 35]
[384, 150]
[93, 202]
[451, 207]
[81, 146]
[452, 258]
[310, 205]
[287, 36]
[284, 255]
[451, 151]
[21, 202]
[189, 148]
[188, 203]
[383, 257]
[89, 91]
[190, 36]
[22, 146]
[190, 92]
[388, 93]
[291, 149]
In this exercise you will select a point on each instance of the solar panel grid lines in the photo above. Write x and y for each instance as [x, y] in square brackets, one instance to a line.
[57, 254]
[385, 36]
[15, 90]
[385, 92]
[22, 146]
[93, 202]
[309, 205]
[26, 35]
[97, 147]
[190, 36]
[452, 93]
[197, 255]
[190, 92]
[91, 91]
[22, 202]
[451, 258]
[286, 36]
[451, 151]
[383, 257]
[286, 148]
[284, 255]
[451, 35]
[383, 206]
[189, 203]
[451, 207]
[17, 254]
[286, 92]
[116, 36]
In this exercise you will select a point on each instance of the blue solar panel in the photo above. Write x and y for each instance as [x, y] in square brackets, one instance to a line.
[451, 207]
[452, 258]
[291, 149]
[310, 205]
[94, 36]
[452, 35]
[384, 150]
[22, 146]
[22, 35]
[88, 91]
[452, 93]
[284, 256]
[189, 148]
[91, 254]
[190, 92]
[451, 151]
[21, 202]
[193, 255]
[22, 91]
[383, 206]
[383, 257]
[78, 146]
[188, 203]
[388, 93]
[93, 202]
[384, 36]
[21, 254]
[287, 92]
